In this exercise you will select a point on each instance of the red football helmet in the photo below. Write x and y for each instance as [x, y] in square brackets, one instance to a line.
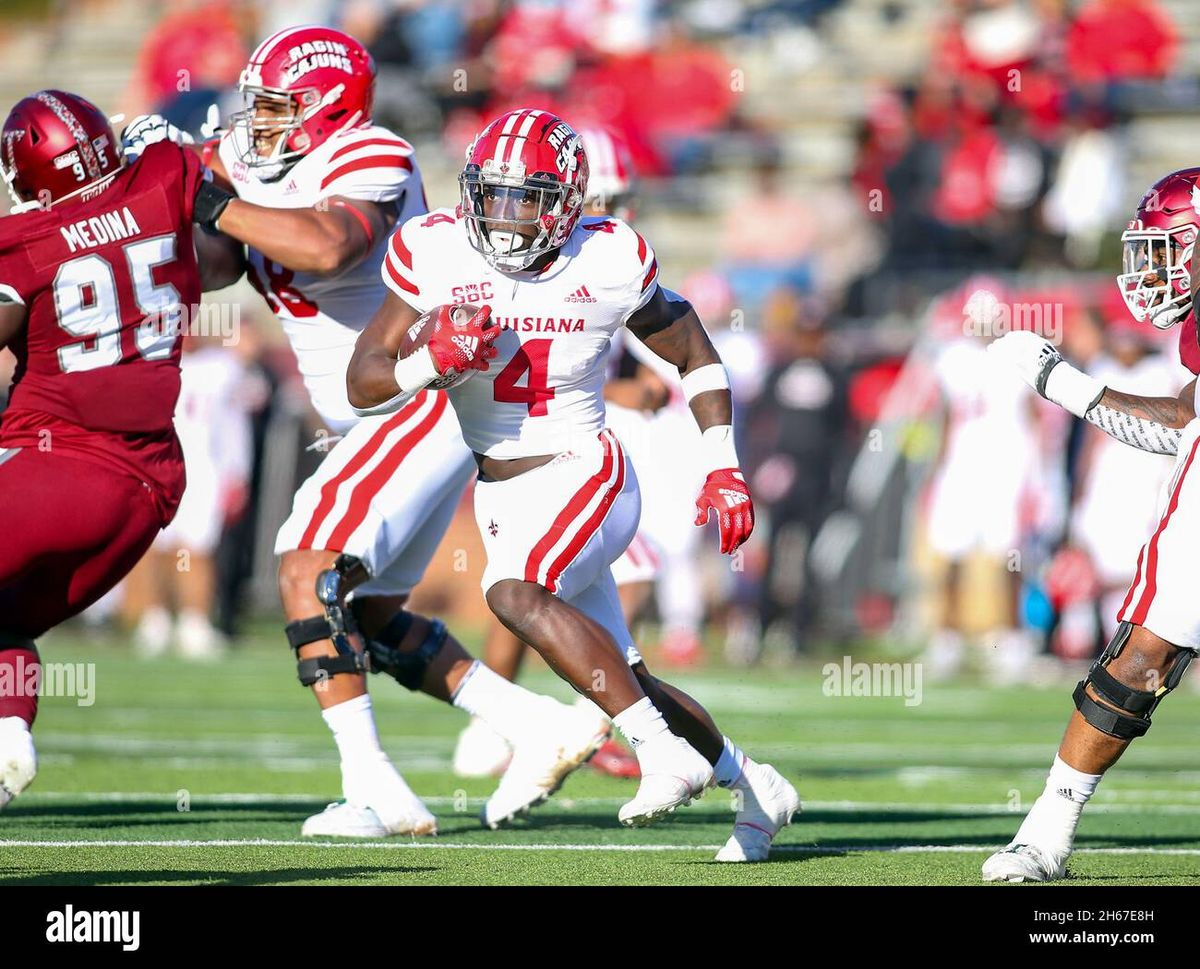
[527, 168]
[302, 86]
[610, 173]
[1157, 250]
[55, 145]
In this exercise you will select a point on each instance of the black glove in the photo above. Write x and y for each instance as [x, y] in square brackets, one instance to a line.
[210, 203]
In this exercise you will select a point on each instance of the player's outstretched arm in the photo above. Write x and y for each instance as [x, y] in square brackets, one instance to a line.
[671, 328]
[1153, 424]
[372, 380]
[324, 239]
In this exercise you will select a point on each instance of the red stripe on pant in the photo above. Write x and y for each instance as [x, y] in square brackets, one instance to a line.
[1143, 607]
[1137, 578]
[573, 510]
[591, 526]
[329, 490]
[372, 484]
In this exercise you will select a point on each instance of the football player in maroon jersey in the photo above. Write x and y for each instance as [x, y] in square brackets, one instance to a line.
[98, 271]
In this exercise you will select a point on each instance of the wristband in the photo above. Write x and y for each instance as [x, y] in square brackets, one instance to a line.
[1071, 389]
[717, 450]
[416, 370]
[711, 376]
[209, 204]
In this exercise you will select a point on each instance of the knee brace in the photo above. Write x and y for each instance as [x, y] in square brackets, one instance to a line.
[336, 624]
[407, 667]
[1131, 719]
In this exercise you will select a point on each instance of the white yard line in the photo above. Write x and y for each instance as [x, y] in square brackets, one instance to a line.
[470, 846]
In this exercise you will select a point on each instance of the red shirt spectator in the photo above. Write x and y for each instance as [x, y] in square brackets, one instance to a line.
[1118, 40]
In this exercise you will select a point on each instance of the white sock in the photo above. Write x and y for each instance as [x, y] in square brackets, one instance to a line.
[1052, 820]
[353, 727]
[510, 710]
[640, 723]
[730, 769]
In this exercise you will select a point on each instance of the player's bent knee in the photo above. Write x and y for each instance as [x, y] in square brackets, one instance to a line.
[336, 625]
[1126, 708]
[298, 573]
[406, 646]
[514, 601]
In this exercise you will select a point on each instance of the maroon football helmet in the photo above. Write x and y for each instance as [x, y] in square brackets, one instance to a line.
[55, 145]
[1155, 277]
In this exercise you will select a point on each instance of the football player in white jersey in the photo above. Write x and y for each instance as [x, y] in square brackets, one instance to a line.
[1158, 634]
[629, 402]
[318, 187]
[556, 500]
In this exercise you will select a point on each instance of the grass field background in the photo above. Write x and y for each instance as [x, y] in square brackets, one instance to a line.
[186, 774]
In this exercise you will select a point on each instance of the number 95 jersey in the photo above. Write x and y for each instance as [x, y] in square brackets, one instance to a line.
[543, 392]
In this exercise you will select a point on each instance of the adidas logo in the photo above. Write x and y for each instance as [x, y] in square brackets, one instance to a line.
[734, 498]
[581, 295]
[467, 344]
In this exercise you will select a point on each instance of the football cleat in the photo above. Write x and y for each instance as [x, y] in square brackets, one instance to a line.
[540, 765]
[18, 759]
[341, 819]
[767, 807]
[673, 773]
[480, 751]
[379, 787]
[1025, 863]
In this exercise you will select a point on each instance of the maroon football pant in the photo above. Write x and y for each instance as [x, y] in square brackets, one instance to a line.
[69, 531]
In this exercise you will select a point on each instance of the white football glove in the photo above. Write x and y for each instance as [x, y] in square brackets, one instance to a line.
[1166, 316]
[1040, 365]
[149, 129]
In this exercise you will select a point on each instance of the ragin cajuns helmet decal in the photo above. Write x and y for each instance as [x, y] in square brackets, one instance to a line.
[303, 85]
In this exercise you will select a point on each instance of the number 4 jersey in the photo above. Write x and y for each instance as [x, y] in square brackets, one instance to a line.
[106, 282]
[543, 392]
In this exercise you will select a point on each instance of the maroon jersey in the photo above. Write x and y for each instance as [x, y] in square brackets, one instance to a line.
[1189, 345]
[106, 282]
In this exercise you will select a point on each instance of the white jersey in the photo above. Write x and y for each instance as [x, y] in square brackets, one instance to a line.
[323, 315]
[543, 392]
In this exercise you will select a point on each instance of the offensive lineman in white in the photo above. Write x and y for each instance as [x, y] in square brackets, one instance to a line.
[556, 501]
[318, 189]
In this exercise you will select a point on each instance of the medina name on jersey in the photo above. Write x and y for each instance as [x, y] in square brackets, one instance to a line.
[542, 393]
[323, 315]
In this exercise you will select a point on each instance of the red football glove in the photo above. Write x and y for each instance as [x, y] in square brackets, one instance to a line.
[725, 492]
[458, 347]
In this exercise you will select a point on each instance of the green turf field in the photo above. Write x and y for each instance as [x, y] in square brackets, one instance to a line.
[181, 774]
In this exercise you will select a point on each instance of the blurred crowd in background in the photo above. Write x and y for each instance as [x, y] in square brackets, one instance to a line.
[839, 278]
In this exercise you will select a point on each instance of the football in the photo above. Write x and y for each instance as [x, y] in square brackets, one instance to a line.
[422, 330]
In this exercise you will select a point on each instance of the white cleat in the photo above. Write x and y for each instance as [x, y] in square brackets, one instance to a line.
[672, 776]
[377, 790]
[18, 759]
[767, 807]
[540, 765]
[345, 820]
[1024, 863]
[480, 751]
